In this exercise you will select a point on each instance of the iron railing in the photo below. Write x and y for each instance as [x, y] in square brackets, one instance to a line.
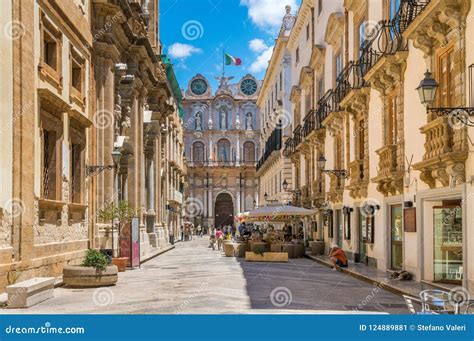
[298, 135]
[273, 143]
[290, 147]
[409, 10]
[350, 78]
[385, 39]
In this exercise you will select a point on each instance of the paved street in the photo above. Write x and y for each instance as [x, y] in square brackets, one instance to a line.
[193, 279]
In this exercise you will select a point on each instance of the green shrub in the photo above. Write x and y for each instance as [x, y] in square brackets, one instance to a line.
[95, 259]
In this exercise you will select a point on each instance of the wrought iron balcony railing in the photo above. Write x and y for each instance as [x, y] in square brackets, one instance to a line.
[290, 147]
[326, 105]
[298, 135]
[350, 78]
[273, 143]
[309, 123]
[385, 39]
[408, 11]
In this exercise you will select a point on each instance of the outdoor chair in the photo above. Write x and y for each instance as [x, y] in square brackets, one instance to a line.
[411, 302]
[437, 301]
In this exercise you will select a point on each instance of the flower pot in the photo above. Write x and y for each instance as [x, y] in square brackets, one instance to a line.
[84, 277]
[121, 263]
[317, 248]
[275, 247]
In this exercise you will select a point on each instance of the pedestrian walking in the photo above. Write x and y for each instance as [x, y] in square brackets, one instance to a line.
[220, 239]
[199, 231]
[213, 238]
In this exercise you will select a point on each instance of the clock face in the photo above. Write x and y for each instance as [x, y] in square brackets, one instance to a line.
[248, 87]
[198, 87]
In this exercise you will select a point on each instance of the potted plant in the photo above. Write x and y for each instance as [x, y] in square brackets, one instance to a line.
[95, 271]
[121, 213]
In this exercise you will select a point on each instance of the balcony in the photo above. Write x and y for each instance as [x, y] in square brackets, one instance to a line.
[274, 143]
[350, 78]
[290, 147]
[227, 163]
[446, 147]
[390, 170]
[298, 135]
[409, 10]
[359, 179]
[385, 40]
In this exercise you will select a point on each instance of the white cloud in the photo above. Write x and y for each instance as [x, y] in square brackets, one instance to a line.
[267, 14]
[257, 45]
[261, 62]
[182, 51]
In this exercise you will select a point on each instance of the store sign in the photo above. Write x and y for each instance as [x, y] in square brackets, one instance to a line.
[409, 219]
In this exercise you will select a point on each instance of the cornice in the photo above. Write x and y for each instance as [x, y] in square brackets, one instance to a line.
[304, 13]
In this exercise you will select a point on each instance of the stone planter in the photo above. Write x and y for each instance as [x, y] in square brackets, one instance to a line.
[84, 277]
[235, 249]
[266, 257]
[299, 250]
[229, 249]
[241, 249]
[290, 249]
[317, 247]
[275, 247]
[257, 247]
[121, 263]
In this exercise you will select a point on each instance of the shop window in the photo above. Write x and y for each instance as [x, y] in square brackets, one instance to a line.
[347, 223]
[448, 243]
[297, 57]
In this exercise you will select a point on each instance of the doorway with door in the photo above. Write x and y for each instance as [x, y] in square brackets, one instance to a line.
[224, 210]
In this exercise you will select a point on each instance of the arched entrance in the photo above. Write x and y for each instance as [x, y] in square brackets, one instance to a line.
[224, 210]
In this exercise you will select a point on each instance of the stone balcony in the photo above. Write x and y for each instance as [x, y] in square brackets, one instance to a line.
[359, 179]
[446, 151]
[336, 189]
[390, 171]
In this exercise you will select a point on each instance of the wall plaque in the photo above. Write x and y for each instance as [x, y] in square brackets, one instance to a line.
[409, 219]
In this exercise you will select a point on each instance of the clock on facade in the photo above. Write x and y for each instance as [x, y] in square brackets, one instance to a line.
[198, 87]
[248, 87]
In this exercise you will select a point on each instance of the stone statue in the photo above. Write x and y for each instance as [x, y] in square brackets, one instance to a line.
[224, 85]
[223, 120]
[288, 20]
[198, 121]
[237, 121]
[210, 123]
[248, 122]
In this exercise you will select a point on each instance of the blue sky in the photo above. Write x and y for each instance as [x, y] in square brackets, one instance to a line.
[195, 32]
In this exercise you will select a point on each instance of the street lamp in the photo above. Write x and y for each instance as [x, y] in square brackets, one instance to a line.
[265, 196]
[340, 173]
[94, 170]
[285, 185]
[427, 89]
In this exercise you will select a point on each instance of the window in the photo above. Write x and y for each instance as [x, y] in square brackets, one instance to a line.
[362, 35]
[281, 81]
[307, 32]
[51, 133]
[394, 6]
[223, 150]
[391, 125]
[446, 78]
[320, 87]
[297, 58]
[198, 152]
[51, 44]
[320, 7]
[249, 152]
[77, 159]
[360, 139]
[77, 74]
[347, 223]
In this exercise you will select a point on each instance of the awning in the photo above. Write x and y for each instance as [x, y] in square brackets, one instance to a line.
[276, 212]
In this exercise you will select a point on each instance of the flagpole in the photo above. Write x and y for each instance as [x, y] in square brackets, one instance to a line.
[223, 62]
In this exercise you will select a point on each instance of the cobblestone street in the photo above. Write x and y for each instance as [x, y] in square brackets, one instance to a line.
[194, 279]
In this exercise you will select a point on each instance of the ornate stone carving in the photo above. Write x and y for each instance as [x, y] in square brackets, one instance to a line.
[288, 20]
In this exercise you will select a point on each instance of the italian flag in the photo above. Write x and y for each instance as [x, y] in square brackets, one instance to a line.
[229, 60]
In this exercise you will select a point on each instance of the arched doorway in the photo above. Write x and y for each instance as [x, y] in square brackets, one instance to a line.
[224, 210]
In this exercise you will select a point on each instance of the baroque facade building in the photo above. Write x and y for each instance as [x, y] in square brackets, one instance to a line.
[81, 79]
[222, 132]
[390, 178]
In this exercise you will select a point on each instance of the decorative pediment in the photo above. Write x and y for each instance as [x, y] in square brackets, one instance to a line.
[306, 77]
[317, 57]
[334, 28]
[334, 123]
[295, 95]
